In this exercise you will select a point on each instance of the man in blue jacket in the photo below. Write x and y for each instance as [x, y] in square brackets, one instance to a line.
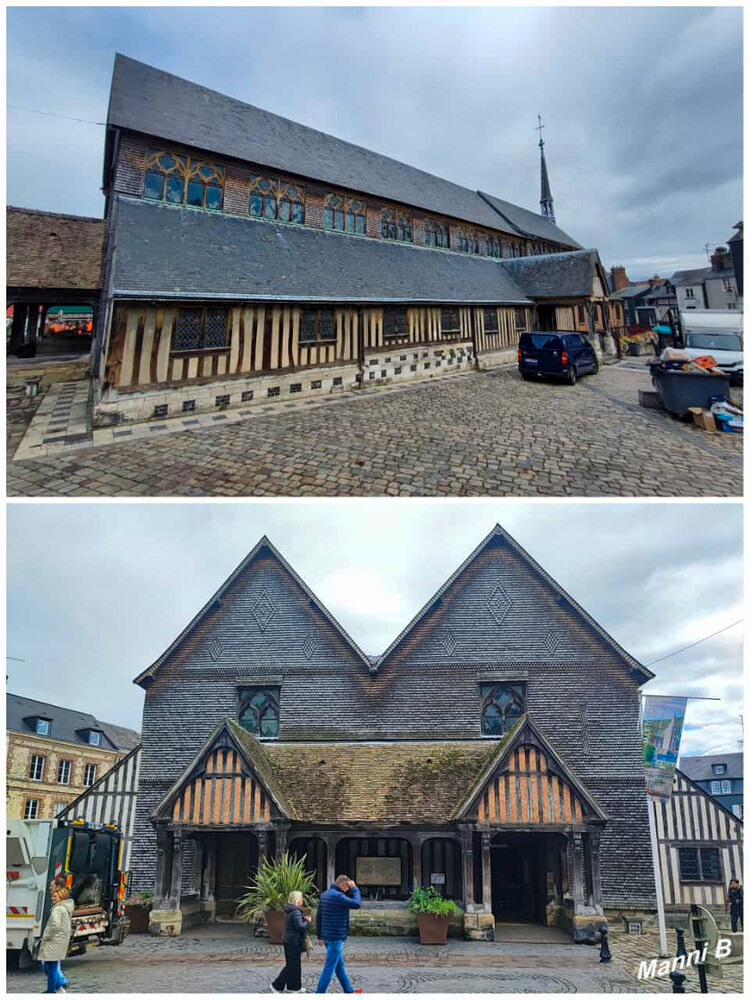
[332, 923]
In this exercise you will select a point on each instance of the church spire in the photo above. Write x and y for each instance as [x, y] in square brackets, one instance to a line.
[548, 208]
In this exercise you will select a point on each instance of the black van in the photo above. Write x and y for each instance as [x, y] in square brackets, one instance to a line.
[557, 354]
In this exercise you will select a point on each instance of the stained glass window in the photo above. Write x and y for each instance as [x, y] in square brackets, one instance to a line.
[275, 199]
[502, 704]
[468, 241]
[395, 323]
[200, 329]
[259, 711]
[346, 215]
[395, 226]
[184, 180]
[316, 325]
[436, 234]
[494, 247]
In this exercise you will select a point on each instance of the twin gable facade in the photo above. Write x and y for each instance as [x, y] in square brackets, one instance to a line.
[502, 706]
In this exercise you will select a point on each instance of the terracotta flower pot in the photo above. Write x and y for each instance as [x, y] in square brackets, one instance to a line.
[138, 917]
[432, 929]
[275, 921]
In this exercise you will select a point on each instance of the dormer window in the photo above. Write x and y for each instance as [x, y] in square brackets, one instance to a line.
[40, 725]
[719, 768]
[502, 704]
[259, 711]
[94, 738]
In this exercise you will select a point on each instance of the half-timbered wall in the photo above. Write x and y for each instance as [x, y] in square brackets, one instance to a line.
[224, 795]
[691, 818]
[508, 329]
[529, 793]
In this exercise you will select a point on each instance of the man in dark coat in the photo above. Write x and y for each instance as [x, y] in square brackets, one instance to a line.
[734, 902]
[332, 923]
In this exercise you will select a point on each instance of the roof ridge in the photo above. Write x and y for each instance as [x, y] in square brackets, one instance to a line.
[54, 215]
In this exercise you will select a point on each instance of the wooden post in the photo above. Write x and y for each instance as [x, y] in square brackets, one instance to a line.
[208, 888]
[467, 857]
[578, 861]
[596, 872]
[486, 872]
[18, 327]
[282, 834]
[162, 871]
[262, 846]
[331, 843]
[175, 888]
[416, 850]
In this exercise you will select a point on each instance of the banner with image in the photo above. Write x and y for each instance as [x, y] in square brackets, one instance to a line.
[663, 718]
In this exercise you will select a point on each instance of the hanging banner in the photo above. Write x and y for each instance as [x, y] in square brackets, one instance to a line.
[662, 731]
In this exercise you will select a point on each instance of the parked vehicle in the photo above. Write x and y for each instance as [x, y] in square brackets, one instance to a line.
[725, 348]
[88, 855]
[557, 354]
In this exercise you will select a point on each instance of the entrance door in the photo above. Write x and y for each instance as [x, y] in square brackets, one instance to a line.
[237, 859]
[519, 878]
[546, 318]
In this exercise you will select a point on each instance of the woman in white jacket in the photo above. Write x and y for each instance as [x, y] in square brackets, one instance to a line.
[56, 937]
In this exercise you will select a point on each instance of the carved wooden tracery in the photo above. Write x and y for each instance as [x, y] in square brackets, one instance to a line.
[183, 180]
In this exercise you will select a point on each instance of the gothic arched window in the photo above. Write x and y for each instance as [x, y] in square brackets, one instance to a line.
[259, 711]
[347, 215]
[395, 226]
[436, 235]
[271, 198]
[182, 180]
[502, 704]
[468, 241]
[494, 247]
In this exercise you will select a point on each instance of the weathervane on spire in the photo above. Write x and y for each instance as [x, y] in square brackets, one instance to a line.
[548, 209]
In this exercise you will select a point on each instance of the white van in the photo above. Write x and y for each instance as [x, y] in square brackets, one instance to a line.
[718, 332]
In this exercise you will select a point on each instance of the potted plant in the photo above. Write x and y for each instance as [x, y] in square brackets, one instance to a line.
[137, 909]
[268, 892]
[433, 914]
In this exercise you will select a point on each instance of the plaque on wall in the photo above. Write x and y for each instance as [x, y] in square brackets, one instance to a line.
[378, 871]
[437, 878]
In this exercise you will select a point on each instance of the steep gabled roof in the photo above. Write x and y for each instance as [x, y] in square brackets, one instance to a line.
[700, 766]
[522, 732]
[263, 544]
[498, 535]
[66, 723]
[147, 100]
[228, 734]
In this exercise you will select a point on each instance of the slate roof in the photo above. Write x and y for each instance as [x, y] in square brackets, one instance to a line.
[67, 724]
[147, 100]
[499, 536]
[631, 292]
[528, 222]
[694, 277]
[556, 275]
[700, 768]
[49, 250]
[176, 252]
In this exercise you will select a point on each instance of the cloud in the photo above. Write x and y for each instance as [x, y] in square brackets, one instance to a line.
[642, 105]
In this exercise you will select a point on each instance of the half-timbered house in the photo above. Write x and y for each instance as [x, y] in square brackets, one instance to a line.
[493, 749]
[249, 258]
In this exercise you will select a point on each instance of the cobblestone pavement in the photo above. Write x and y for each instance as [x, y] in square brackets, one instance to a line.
[378, 965]
[479, 434]
[628, 950]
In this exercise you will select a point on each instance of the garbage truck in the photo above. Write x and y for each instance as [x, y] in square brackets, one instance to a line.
[89, 857]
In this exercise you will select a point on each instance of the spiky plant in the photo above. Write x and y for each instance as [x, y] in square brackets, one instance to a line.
[273, 881]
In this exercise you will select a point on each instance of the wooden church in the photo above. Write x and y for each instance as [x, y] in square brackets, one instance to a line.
[492, 750]
[249, 258]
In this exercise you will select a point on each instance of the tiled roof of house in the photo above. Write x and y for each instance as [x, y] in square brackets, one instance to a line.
[147, 100]
[48, 250]
[569, 275]
[693, 277]
[66, 724]
[700, 767]
[175, 252]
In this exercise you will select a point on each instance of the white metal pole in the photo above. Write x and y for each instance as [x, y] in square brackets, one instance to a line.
[663, 952]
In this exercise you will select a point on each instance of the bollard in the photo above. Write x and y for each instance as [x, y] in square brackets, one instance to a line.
[605, 955]
[32, 387]
[678, 977]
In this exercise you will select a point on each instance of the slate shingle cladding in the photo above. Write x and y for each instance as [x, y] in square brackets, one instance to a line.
[569, 275]
[497, 619]
[147, 100]
[176, 252]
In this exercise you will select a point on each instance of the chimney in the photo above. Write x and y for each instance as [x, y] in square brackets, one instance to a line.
[619, 278]
[721, 259]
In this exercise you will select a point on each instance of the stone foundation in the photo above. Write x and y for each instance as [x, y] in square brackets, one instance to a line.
[165, 923]
[493, 359]
[479, 927]
[184, 399]
[403, 362]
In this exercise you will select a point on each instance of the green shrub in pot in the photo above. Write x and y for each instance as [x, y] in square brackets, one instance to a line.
[268, 892]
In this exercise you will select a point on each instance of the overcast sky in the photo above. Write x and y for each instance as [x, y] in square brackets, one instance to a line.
[96, 592]
[642, 104]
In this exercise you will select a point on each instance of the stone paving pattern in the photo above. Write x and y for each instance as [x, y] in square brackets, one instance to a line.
[478, 434]
[628, 950]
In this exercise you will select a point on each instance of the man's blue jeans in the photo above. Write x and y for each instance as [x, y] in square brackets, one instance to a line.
[55, 978]
[334, 963]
